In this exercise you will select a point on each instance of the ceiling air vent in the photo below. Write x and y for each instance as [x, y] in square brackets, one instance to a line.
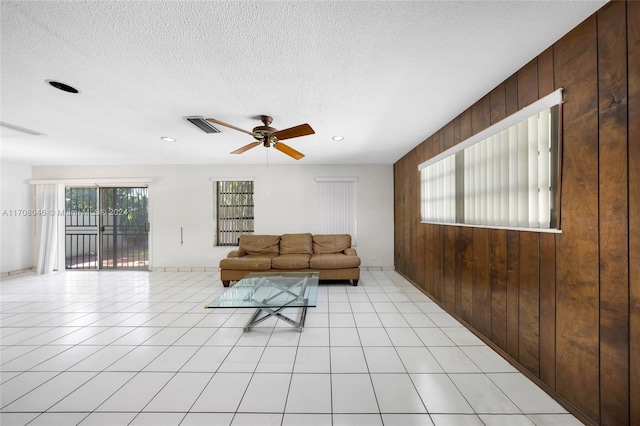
[203, 124]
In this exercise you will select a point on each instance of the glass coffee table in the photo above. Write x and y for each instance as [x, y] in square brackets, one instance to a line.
[270, 293]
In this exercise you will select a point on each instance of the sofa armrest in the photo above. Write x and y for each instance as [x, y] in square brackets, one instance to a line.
[236, 253]
[350, 251]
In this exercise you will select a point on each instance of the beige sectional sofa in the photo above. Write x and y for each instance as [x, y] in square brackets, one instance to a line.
[331, 255]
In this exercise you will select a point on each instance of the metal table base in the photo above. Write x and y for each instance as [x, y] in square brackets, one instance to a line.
[256, 319]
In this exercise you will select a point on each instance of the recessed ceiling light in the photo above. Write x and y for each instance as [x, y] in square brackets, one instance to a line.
[167, 139]
[337, 138]
[62, 86]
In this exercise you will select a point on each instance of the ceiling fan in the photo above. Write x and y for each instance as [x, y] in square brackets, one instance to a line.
[268, 136]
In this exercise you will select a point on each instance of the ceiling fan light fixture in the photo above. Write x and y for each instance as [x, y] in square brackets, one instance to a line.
[168, 139]
[270, 137]
[337, 138]
[203, 124]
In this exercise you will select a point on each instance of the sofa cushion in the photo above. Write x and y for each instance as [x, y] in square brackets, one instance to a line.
[331, 243]
[259, 244]
[296, 243]
[333, 261]
[291, 261]
[250, 262]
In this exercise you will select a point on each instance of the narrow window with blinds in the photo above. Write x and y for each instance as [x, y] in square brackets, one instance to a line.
[336, 212]
[503, 177]
[234, 211]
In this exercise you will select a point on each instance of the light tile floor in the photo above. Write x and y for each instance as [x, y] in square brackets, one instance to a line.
[139, 348]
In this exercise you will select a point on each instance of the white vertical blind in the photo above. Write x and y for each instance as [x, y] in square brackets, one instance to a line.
[523, 174]
[336, 212]
[439, 191]
[506, 179]
[534, 193]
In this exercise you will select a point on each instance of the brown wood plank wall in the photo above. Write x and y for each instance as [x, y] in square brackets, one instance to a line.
[565, 308]
[633, 96]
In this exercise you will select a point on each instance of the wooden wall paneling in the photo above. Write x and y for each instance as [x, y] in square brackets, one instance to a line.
[614, 252]
[577, 322]
[498, 103]
[465, 125]
[548, 309]
[422, 155]
[410, 263]
[464, 245]
[546, 85]
[457, 136]
[414, 197]
[457, 231]
[499, 287]
[397, 203]
[404, 226]
[427, 281]
[428, 235]
[557, 301]
[528, 84]
[481, 114]
[482, 281]
[546, 82]
[449, 139]
[447, 135]
[417, 227]
[437, 236]
[481, 285]
[633, 64]
[513, 293]
[459, 268]
[449, 267]
[465, 248]
[498, 253]
[511, 93]
[529, 302]
[403, 223]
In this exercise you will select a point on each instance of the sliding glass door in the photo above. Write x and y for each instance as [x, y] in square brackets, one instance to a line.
[107, 228]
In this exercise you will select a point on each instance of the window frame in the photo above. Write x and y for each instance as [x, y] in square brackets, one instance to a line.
[552, 101]
[218, 216]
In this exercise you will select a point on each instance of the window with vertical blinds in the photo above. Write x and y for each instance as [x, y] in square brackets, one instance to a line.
[505, 176]
[336, 212]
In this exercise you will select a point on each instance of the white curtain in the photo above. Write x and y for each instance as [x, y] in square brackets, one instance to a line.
[47, 209]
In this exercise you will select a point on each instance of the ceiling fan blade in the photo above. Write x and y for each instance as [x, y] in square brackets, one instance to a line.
[231, 126]
[294, 132]
[288, 150]
[246, 148]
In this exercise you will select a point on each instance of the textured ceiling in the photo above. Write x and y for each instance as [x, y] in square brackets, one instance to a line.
[383, 74]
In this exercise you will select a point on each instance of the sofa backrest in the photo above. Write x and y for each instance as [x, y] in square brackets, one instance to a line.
[331, 243]
[258, 244]
[296, 243]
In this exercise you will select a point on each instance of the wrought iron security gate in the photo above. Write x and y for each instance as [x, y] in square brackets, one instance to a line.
[234, 211]
[124, 228]
[81, 228]
[107, 228]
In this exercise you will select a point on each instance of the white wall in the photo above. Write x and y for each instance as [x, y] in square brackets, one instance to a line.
[15, 230]
[181, 196]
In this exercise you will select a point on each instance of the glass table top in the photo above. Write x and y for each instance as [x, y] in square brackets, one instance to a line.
[271, 290]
